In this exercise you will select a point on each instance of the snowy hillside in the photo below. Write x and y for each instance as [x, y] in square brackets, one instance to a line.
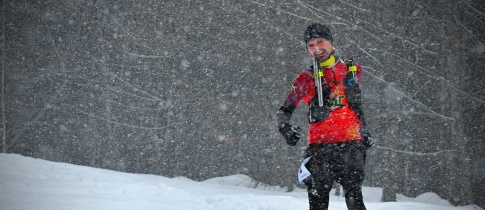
[27, 183]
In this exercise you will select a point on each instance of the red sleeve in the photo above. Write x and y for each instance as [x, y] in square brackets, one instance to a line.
[301, 89]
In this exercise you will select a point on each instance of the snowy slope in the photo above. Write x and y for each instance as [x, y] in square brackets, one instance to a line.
[27, 183]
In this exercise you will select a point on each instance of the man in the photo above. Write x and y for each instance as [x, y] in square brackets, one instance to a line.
[337, 137]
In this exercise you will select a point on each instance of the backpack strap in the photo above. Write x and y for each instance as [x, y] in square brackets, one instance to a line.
[351, 65]
[352, 90]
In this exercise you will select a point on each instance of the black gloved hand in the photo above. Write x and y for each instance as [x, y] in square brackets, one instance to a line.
[291, 133]
[368, 141]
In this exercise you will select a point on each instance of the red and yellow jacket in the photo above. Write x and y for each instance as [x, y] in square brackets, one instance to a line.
[343, 124]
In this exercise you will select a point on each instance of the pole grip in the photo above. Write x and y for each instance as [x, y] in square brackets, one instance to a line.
[317, 74]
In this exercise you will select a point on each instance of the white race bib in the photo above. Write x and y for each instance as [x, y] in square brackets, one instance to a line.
[303, 173]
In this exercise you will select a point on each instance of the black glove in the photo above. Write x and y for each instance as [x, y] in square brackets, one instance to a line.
[368, 141]
[291, 133]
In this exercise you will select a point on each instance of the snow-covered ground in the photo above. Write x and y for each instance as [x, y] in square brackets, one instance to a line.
[28, 184]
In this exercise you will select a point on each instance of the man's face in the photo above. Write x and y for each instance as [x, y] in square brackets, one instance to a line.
[319, 48]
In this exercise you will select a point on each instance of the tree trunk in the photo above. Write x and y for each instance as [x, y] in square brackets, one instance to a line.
[388, 183]
[4, 124]
[289, 159]
[460, 168]
[460, 171]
